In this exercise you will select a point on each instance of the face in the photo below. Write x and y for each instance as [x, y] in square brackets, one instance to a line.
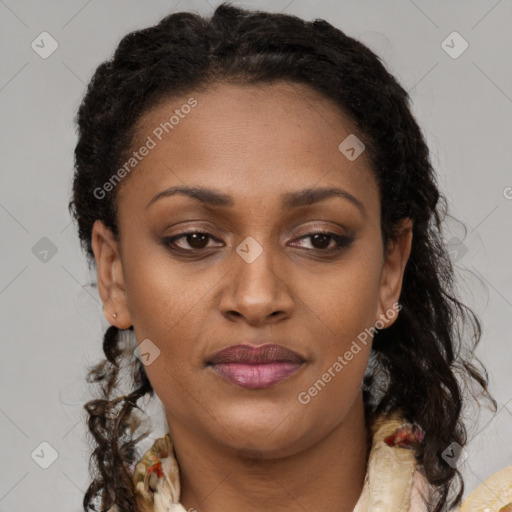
[256, 271]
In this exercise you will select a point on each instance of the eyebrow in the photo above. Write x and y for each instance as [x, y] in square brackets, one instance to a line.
[305, 197]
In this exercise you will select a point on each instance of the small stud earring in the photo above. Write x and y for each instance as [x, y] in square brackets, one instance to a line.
[114, 315]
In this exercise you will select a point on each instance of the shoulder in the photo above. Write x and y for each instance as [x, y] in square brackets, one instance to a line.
[493, 495]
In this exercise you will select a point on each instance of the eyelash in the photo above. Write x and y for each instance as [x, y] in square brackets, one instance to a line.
[342, 242]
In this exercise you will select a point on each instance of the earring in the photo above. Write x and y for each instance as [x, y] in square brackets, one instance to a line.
[114, 315]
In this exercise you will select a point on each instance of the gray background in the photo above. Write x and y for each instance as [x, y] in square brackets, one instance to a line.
[52, 323]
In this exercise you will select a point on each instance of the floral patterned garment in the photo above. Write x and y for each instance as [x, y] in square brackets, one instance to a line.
[156, 479]
[392, 482]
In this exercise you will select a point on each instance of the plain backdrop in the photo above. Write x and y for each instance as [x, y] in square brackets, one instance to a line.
[51, 318]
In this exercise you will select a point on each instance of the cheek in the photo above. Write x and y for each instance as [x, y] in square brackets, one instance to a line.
[168, 304]
[163, 297]
[333, 389]
[342, 305]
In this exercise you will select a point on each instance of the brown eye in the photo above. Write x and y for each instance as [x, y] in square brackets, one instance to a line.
[196, 241]
[322, 240]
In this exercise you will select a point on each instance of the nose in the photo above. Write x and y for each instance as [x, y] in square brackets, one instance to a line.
[256, 289]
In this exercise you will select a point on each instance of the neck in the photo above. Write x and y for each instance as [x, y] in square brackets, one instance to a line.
[326, 477]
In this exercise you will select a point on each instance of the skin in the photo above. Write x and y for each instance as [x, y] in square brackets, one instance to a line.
[241, 449]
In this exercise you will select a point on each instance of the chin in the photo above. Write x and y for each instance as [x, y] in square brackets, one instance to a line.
[261, 430]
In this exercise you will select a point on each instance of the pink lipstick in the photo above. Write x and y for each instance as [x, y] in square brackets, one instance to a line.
[254, 367]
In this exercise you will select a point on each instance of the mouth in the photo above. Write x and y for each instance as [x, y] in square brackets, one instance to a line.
[255, 367]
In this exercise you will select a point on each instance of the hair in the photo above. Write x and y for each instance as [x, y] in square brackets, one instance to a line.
[421, 364]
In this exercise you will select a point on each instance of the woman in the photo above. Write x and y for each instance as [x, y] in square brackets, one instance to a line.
[259, 204]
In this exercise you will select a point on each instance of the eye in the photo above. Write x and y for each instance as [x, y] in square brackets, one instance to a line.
[321, 240]
[196, 240]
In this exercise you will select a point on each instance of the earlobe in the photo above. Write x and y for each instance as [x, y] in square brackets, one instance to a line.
[393, 270]
[110, 276]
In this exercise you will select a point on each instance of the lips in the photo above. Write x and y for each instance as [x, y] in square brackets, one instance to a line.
[255, 367]
[250, 354]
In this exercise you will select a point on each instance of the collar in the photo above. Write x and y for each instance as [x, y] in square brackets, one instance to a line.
[391, 484]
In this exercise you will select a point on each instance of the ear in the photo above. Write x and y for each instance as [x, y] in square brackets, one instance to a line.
[392, 274]
[111, 285]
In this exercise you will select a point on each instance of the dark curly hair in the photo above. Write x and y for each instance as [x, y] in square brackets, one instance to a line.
[421, 365]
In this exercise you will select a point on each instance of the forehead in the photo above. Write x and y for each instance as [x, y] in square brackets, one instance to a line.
[248, 139]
